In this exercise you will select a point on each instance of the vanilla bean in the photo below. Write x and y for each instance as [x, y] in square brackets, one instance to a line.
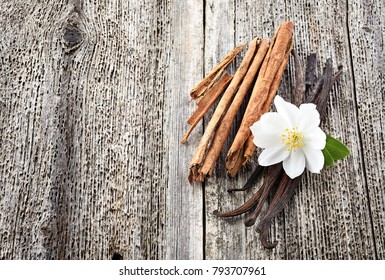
[315, 90]
[321, 99]
[263, 237]
[337, 75]
[276, 203]
[300, 86]
[251, 202]
[258, 198]
[288, 189]
[284, 193]
[247, 206]
[273, 175]
[322, 89]
[311, 65]
[251, 181]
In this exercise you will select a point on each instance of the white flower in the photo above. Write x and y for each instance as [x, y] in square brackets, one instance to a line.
[291, 135]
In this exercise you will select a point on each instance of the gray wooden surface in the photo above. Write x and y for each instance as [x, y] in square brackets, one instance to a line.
[93, 104]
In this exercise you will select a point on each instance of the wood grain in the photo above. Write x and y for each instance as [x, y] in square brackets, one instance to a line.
[184, 212]
[93, 104]
[367, 57]
[90, 121]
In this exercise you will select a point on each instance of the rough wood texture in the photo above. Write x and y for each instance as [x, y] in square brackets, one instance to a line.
[93, 103]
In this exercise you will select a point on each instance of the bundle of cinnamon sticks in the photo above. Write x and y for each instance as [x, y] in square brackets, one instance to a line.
[263, 65]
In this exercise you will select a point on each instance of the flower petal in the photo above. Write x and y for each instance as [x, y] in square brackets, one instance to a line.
[263, 138]
[273, 155]
[287, 110]
[274, 123]
[314, 159]
[294, 164]
[309, 117]
[314, 139]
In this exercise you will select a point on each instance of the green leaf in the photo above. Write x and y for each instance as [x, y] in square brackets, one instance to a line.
[328, 158]
[336, 149]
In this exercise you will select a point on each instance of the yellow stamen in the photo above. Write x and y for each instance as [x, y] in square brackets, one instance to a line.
[292, 139]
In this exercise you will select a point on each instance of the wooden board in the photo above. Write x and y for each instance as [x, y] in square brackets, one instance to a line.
[93, 104]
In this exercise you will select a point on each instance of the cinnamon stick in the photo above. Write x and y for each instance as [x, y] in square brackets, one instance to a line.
[206, 102]
[227, 121]
[263, 94]
[219, 112]
[248, 152]
[249, 148]
[209, 80]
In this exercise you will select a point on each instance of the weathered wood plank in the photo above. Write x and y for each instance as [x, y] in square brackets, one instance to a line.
[219, 39]
[92, 113]
[184, 232]
[368, 61]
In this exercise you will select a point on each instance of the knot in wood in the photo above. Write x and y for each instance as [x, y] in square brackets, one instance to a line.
[72, 38]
